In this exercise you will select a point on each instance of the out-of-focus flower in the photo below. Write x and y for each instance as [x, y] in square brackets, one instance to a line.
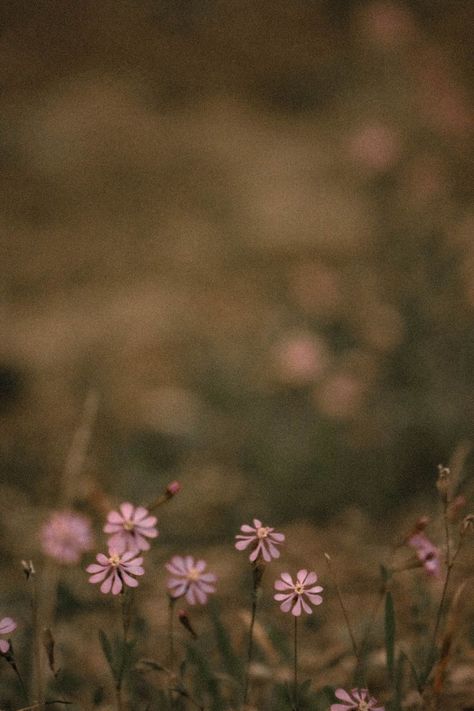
[115, 570]
[340, 396]
[355, 700]
[130, 528]
[65, 536]
[427, 553]
[375, 147]
[189, 579]
[300, 359]
[7, 625]
[263, 540]
[292, 594]
[386, 24]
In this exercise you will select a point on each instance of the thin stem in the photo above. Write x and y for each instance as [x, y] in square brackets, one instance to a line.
[171, 653]
[295, 666]
[355, 648]
[37, 647]
[439, 614]
[250, 644]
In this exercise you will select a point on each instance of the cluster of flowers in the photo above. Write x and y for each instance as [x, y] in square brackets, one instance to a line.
[67, 535]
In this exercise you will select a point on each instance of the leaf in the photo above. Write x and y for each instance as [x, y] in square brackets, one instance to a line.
[390, 633]
[108, 653]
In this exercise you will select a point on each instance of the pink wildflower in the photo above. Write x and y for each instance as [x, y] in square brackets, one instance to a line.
[189, 579]
[356, 700]
[293, 595]
[7, 625]
[263, 540]
[173, 488]
[427, 553]
[65, 536]
[130, 528]
[115, 571]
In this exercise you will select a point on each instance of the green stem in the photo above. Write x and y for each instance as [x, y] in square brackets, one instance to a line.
[171, 604]
[250, 645]
[295, 667]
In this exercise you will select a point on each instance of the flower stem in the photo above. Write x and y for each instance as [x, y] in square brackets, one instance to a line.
[250, 644]
[37, 650]
[171, 604]
[295, 667]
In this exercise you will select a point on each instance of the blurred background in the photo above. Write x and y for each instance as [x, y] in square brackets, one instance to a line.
[247, 226]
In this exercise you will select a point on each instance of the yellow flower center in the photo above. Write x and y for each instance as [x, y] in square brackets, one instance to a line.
[262, 532]
[128, 525]
[363, 706]
[193, 575]
[299, 589]
[114, 560]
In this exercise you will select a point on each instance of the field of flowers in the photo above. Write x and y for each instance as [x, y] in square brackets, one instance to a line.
[236, 364]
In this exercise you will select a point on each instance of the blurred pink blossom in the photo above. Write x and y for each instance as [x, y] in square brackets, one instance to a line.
[356, 700]
[263, 540]
[115, 570]
[427, 553]
[189, 579]
[7, 625]
[130, 528]
[65, 536]
[292, 594]
[375, 147]
[387, 24]
[173, 488]
[300, 358]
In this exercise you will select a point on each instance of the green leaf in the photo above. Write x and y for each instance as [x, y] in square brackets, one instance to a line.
[108, 653]
[390, 633]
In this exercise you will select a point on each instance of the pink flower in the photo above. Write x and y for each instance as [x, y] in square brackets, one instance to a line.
[263, 541]
[427, 553]
[173, 488]
[65, 536]
[293, 595]
[7, 625]
[189, 579]
[357, 700]
[130, 528]
[115, 571]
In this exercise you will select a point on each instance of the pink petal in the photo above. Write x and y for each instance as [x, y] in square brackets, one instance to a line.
[189, 563]
[301, 575]
[296, 610]
[102, 559]
[141, 543]
[7, 625]
[248, 530]
[127, 510]
[206, 587]
[274, 552]
[314, 599]
[316, 589]
[208, 577]
[200, 594]
[286, 606]
[311, 579]
[95, 568]
[257, 523]
[254, 555]
[277, 537]
[128, 580]
[242, 545]
[280, 585]
[98, 577]
[4, 646]
[342, 707]
[305, 606]
[288, 579]
[117, 585]
[141, 513]
[118, 542]
[106, 585]
[115, 518]
[177, 588]
[190, 597]
[283, 596]
[343, 696]
[113, 527]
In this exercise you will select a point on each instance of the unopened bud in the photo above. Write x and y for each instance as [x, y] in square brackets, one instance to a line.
[28, 568]
[183, 617]
[422, 523]
[467, 524]
[442, 483]
[173, 488]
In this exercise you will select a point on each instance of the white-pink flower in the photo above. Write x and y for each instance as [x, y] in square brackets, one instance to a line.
[189, 579]
[294, 595]
[262, 539]
[356, 700]
[7, 625]
[65, 536]
[427, 553]
[130, 528]
[115, 570]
